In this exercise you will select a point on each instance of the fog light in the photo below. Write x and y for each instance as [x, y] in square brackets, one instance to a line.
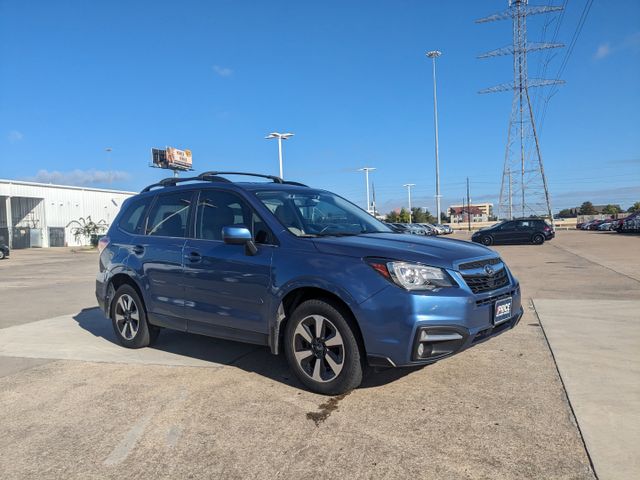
[420, 349]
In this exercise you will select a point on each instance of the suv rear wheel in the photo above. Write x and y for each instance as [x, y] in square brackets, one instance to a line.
[129, 319]
[322, 349]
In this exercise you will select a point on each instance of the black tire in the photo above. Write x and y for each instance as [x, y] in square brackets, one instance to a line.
[486, 241]
[139, 333]
[318, 355]
[1, 255]
[538, 239]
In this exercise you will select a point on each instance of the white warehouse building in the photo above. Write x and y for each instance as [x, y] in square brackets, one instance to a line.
[44, 215]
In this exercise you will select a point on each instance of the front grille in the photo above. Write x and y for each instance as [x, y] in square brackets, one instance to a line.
[494, 298]
[485, 283]
[479, 264]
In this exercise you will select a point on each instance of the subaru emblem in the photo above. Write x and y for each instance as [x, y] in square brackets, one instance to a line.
[488, 269]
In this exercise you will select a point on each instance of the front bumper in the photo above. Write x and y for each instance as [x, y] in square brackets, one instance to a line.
[391, 322]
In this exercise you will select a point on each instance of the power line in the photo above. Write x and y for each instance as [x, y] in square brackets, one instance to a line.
[574, 39]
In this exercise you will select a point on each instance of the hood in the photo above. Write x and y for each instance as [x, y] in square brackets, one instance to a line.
[439, 252]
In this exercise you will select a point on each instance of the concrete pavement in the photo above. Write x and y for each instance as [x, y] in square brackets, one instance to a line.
[214, 409]
[596, 345]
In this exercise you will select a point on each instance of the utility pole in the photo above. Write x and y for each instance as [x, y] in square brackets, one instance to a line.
[464, 210]
[433, 55]
[366, 171]
[280, 137]
[409, 185]
[521, 159]
[468, 205]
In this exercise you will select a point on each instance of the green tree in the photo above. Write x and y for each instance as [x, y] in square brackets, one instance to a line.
[634, 208]
[587, 209]
[87, 228]
[404, 215]
[421, 216]
[567, 213]
[612, 209]
[392, 217]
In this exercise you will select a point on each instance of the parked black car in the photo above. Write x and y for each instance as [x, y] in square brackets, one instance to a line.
[4, 251]
[523, 230]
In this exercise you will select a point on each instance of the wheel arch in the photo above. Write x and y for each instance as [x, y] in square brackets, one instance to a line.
[296, 296]
[115, 282]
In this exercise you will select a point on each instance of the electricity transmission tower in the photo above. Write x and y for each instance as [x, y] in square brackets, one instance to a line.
[524, 190]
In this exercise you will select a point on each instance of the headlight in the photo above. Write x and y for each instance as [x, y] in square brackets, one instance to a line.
[413, 276]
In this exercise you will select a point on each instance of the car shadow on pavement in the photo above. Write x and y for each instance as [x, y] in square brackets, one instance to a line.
[251, 358]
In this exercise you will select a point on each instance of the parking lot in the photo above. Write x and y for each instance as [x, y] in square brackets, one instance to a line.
[553, 398]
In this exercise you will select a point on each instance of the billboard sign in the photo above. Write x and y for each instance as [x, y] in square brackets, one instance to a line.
[171, 158]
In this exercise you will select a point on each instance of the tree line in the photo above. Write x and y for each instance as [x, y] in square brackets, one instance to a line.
[587, 208]
[418, 215]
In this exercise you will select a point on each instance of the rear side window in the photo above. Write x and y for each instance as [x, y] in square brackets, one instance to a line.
[525, 224]
[169, 215]
[131, 220]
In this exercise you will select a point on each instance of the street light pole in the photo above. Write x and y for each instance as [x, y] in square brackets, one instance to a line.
[433, 55]
[280, 155]
[366, 171]
[280, 137]
[409, 185]
[109, 150]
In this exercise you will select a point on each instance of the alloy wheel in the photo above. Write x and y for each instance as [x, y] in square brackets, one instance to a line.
[318, 348]
[127, 316]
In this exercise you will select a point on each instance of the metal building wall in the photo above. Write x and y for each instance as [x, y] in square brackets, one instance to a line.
[59, 206]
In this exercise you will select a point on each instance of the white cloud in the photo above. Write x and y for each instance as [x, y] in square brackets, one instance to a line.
[222, 71]
[15, 136]
[631, 42]
[604, 50]
[80, 177]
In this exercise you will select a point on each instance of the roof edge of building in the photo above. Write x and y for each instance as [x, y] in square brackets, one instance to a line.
[69, 187]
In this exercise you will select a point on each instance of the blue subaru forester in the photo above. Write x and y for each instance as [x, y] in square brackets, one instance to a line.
[299, 270]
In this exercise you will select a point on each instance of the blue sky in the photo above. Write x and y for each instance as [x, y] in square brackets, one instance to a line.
[349, 78]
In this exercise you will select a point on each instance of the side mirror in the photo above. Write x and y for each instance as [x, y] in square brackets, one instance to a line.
[238, 235]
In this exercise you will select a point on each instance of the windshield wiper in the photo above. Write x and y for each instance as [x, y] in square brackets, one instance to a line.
[337, 234]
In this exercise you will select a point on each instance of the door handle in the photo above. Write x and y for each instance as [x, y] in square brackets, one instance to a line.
[138, 249]
[194, 257]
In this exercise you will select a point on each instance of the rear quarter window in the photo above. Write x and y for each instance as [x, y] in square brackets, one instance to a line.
[134, 214]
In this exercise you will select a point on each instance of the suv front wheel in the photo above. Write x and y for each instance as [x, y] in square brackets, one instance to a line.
[322, 349]
[129, 319]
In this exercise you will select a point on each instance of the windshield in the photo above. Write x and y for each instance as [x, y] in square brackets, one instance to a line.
[313, 213]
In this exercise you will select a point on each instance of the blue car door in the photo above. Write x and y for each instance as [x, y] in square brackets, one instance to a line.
[157, 256]
[226, 290]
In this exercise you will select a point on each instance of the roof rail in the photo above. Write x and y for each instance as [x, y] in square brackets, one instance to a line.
[270, 177]
[214, 176]
[172, 181]
[288, 182]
